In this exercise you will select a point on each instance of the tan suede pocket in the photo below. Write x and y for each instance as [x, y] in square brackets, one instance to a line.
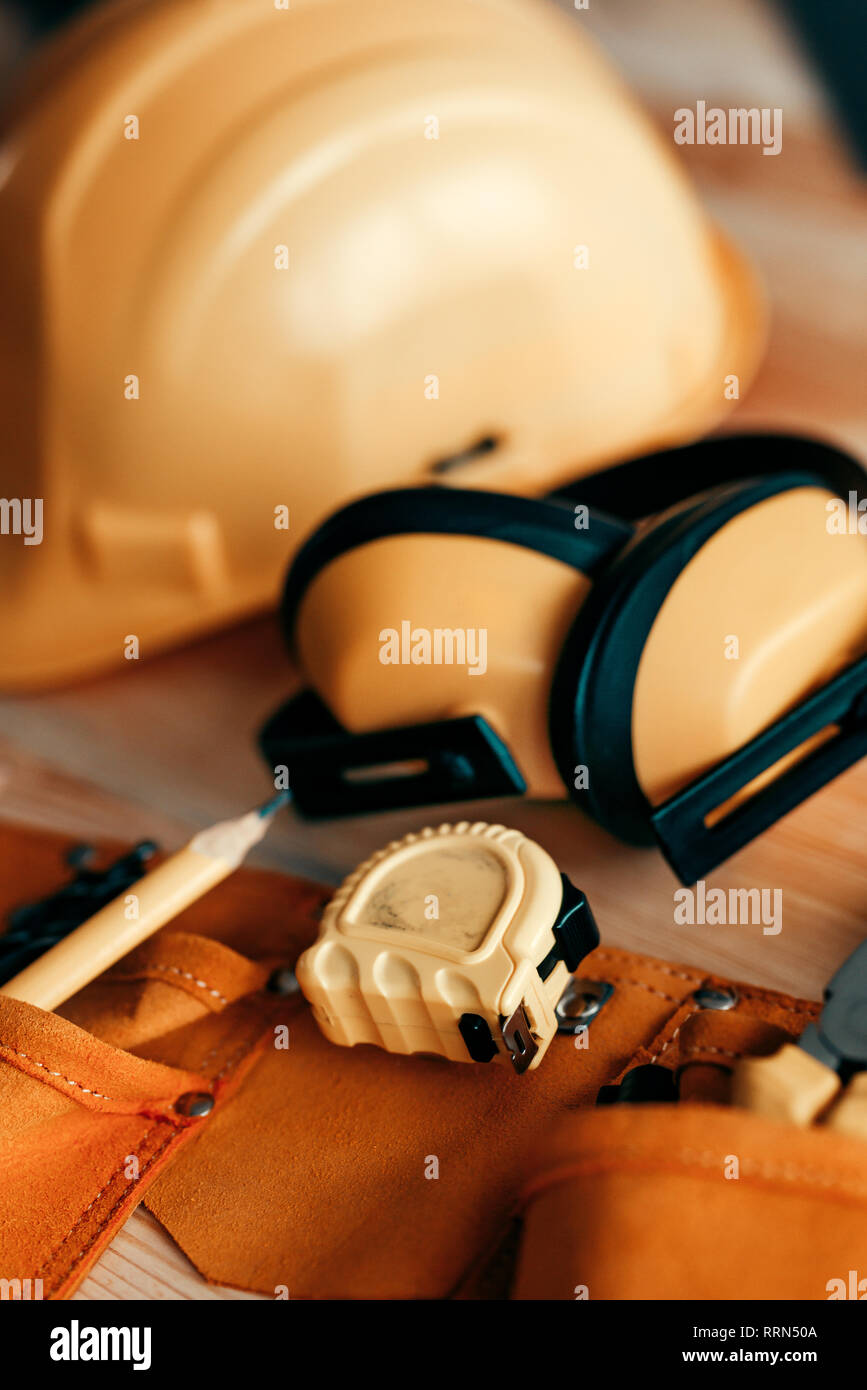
[692, 1202]
[88, 1122]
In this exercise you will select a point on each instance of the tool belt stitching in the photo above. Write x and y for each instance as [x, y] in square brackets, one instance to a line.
[662, 1051]
[67, 1271]
[639, 984]
[691, 978]
[92, 1203]
[232, 1060]
[98, 1095]
[703, 1160]
[207, 1057]
[788, 1172]
[145, 973]
[719, 1051]
[804, 1007]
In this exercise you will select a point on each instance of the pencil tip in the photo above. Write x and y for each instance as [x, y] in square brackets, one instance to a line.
[271, 807]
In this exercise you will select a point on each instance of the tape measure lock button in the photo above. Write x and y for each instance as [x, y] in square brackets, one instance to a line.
[478, 1037]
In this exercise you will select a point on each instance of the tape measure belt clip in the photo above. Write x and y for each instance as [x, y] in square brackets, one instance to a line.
[575, 932]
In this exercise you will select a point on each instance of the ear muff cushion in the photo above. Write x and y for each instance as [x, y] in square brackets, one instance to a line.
[655, 482]
[590, 714]
[536, 524]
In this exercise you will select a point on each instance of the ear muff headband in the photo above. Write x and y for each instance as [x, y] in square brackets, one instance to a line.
[590, 717]
[616, 496]
[655, 482]
[538, 524]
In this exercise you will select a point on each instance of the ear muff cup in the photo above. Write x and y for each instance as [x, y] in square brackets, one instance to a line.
[591, 706]
[539, 524]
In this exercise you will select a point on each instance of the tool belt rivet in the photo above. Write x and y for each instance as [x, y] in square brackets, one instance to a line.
[716, 998]
[580, 1002]
[283, 981]
[194, 1104]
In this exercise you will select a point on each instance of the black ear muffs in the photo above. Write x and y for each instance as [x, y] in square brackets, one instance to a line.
[540, 524]
[592, 693]
[463, 758]
[591, 708]
[692, 492]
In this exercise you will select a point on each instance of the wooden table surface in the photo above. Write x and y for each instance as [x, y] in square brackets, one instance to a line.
[166, 746]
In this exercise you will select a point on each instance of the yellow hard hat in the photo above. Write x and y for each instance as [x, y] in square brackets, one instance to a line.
[256, 261]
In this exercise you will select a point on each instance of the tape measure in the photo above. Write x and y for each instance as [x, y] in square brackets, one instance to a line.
[456, 941]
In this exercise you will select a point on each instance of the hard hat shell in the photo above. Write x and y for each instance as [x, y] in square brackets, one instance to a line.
[256, 259]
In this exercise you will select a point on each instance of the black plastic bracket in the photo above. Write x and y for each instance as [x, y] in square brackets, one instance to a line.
[692, 847]
[335, 773]
[575, 931]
